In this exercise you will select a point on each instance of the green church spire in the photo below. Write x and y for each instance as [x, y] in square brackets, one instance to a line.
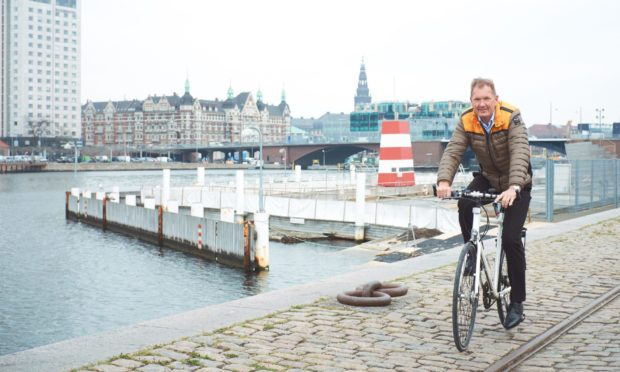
[231, 94]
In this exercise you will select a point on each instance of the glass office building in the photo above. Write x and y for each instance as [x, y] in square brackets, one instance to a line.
[427, 121]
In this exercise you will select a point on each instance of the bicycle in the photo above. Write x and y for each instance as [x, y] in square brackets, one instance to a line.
[468, 282]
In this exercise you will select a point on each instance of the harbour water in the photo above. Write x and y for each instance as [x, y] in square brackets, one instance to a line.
[60, 279]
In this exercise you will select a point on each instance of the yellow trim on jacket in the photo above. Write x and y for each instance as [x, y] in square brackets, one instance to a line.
[503, 111]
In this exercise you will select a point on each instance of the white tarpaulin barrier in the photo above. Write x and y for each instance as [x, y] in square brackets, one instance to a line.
[157, 195]
[423, 217]
[277, 206]
[191, 195]
[393, 215]
[302, 208]
[448, 220]
[229, 200]
[211, 199]
[349, 211]
[175, 194]
[146, 192]
[251, 203]
[331, 210]
[370, 213]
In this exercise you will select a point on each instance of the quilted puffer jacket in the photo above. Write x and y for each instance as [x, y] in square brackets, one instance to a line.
[503, 154]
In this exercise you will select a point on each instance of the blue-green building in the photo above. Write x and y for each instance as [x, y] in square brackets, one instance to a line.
[428, 120]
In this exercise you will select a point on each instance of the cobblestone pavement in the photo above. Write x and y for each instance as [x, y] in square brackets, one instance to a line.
[593, 345]
[565, 273]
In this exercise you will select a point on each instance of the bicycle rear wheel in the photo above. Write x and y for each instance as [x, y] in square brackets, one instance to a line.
[503, 302]
[464, 299]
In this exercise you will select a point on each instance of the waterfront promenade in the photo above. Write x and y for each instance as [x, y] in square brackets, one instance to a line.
[570, 264]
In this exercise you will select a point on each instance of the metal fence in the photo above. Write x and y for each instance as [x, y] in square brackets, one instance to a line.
[566, 187]
[131, 216]
[91, 207]
[219, 237]
[227, 242]
[73, 204]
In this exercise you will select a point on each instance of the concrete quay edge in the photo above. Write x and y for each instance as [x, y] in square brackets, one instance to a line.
[77, 352]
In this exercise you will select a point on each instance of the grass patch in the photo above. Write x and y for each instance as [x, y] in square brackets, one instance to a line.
[230, 355]
[144, 352]
[261, 367]
[194, 362]
[267, 327]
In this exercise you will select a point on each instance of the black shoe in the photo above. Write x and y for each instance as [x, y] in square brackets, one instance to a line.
[470, 264]
[515, 315]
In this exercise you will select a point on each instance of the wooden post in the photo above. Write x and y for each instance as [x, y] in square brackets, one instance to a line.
[104, 222]
[160, 226]
[246, 245]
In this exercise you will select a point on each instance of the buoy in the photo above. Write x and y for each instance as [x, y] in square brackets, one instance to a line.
[395, 155]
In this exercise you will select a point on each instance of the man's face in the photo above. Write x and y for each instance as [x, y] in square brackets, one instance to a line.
[483, 101]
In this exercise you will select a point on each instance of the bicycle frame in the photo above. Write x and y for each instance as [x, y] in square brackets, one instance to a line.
[480, 257]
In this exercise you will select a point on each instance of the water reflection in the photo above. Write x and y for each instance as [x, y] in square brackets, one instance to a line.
[61, 279]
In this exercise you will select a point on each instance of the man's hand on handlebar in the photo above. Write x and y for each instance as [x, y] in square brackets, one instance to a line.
[507, 197]
[443, 189]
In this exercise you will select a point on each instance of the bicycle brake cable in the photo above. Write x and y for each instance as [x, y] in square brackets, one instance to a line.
[488, 226]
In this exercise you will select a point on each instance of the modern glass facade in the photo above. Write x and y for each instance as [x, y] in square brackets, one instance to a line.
[446, 109]
[429, 120]
[365, 121]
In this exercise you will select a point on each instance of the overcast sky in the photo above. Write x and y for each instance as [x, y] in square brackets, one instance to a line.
[541, 54]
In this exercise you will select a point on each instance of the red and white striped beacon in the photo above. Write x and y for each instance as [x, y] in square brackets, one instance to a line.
[395, 155]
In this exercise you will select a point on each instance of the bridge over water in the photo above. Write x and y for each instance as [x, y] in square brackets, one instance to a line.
[425, 153]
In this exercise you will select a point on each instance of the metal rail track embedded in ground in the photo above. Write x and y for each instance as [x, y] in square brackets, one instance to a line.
[529, 349]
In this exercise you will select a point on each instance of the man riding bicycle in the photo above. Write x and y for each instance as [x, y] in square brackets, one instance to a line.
[497, 135]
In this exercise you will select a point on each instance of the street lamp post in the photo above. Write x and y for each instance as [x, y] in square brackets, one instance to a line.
[75, 158]
[261, 218]
[282, 151]
[261, 205]
[600, 117]
[325, 169]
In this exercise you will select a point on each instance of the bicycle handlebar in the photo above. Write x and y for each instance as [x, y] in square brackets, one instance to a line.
[476, 195]
[473, 194]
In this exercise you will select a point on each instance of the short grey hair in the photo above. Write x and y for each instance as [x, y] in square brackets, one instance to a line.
[481, 82]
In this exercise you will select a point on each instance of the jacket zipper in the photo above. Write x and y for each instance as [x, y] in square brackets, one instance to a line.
[499, 173]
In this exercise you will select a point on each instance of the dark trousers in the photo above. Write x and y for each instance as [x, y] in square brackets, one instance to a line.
[514, 218]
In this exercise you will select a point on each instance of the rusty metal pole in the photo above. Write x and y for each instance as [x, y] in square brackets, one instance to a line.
[261, 223]
[67, 193]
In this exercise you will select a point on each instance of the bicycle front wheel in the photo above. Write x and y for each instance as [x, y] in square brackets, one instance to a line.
[464, 299]
[503, 284]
